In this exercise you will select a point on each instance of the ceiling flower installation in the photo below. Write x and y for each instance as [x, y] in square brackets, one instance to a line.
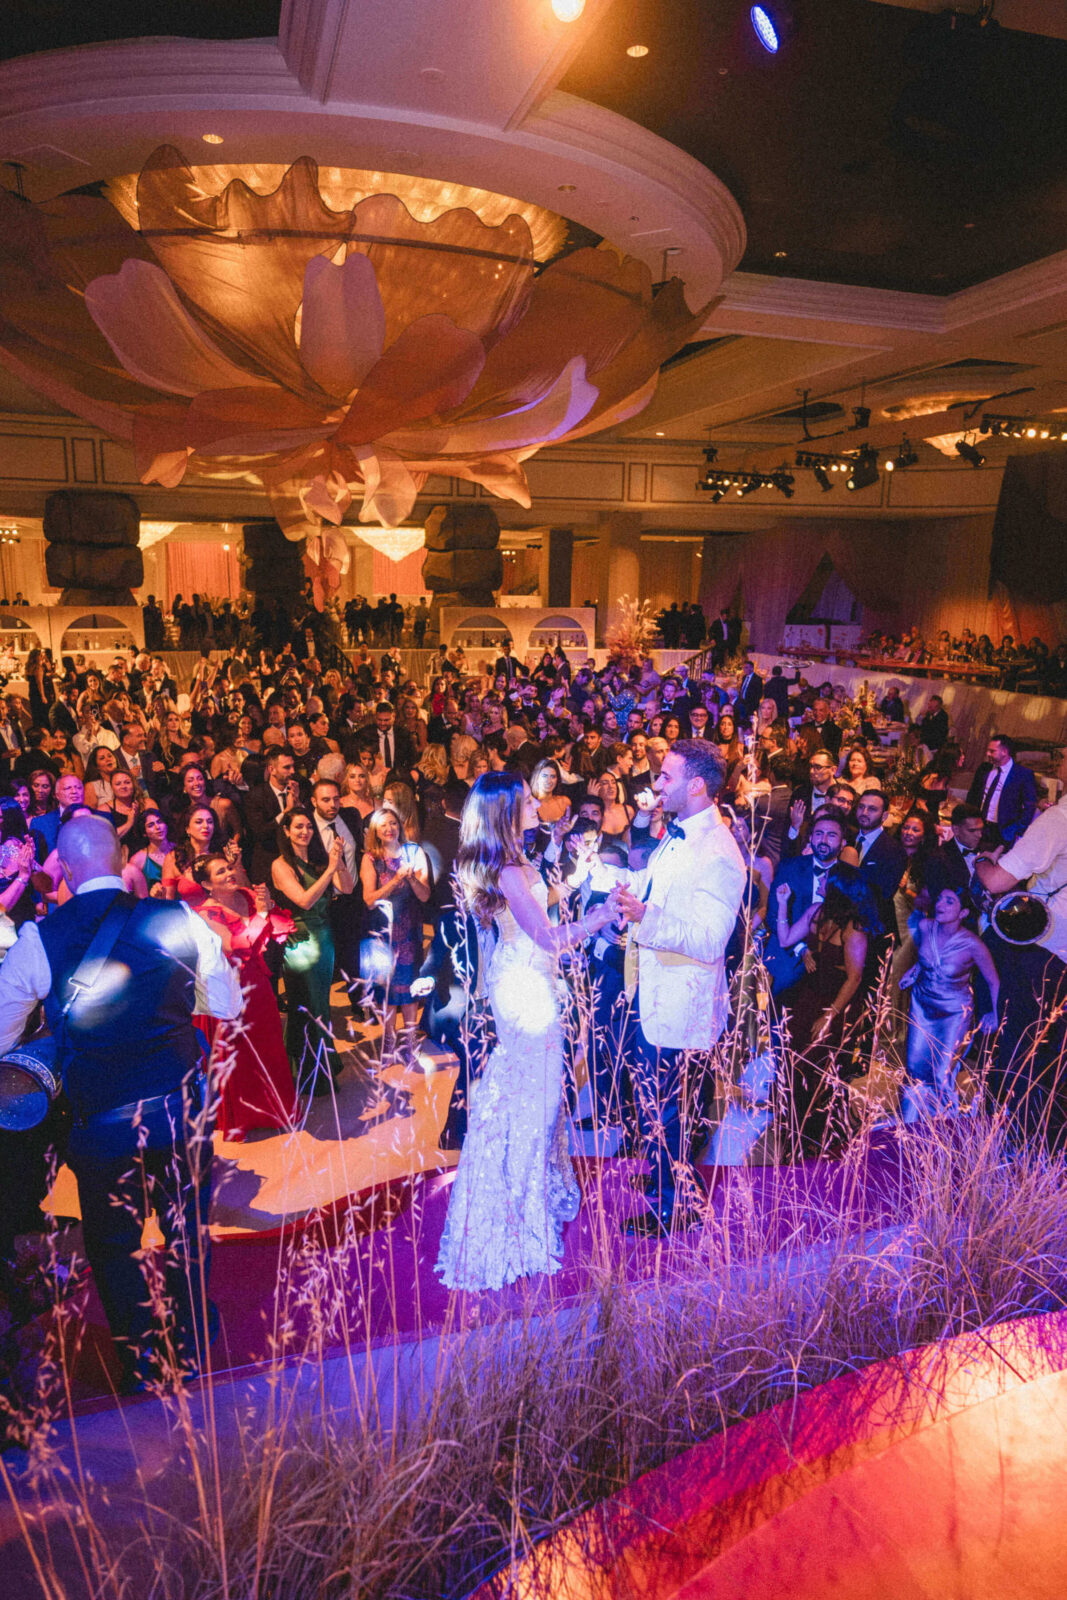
[328, 352]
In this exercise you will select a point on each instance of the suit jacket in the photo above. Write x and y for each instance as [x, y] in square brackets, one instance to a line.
[830, 737]
[785, 966]
[440, 842]
[947, 868]
[777, 689]
[933, 729]
[8, 757]
[154, 783]
[405, 754]
[694, 889]
[772, 822]
[1018, 799]
[883, 867]
[749, 695]
[508, 667]
[261, 816]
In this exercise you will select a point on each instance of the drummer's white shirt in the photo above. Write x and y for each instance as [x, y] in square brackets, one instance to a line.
[26, 977]
[1040, 854]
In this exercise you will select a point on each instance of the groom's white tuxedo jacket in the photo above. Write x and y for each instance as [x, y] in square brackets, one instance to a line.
[694, 886]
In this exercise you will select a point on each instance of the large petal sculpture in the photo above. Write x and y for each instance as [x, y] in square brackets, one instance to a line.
[325, 351]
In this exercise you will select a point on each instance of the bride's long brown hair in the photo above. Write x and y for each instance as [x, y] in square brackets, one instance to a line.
[490, 839]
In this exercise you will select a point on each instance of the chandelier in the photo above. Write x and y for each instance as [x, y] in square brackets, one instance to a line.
[328, 334]
[393, 543]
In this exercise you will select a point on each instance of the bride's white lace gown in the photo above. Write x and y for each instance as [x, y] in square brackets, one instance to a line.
[515, 1186]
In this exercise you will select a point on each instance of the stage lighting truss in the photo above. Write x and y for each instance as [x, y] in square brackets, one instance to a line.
[822, 467]
[718, 482]
[1053, 429]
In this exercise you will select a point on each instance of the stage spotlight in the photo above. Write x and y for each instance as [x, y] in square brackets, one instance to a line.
[864, 469]
[716, 497]
[783, 482]
[905, 457]
[970, 453]
[861, 418]
[766, 28]
[821, 478]
[711, 455]
[750, 484]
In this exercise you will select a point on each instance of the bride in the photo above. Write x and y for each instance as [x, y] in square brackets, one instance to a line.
[514, 1187]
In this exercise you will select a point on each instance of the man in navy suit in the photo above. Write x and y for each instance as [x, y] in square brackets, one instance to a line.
[749, 693]
[806, 877]
[882, 856]
[1004, 793]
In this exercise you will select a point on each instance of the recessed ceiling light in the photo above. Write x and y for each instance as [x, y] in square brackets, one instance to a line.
[566, 188]
[637, 50]
[567, 10]
[659, 433]
[780, 255]
[211, 138]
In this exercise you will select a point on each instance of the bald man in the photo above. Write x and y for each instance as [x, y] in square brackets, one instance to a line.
[131, 1063]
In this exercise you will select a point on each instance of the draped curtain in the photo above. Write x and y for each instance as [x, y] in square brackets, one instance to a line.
[931, 573]
[399, 577]
[202, 568]
[22, 570]
[666, 572]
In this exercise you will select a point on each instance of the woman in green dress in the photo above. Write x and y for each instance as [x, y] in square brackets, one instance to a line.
[305, 890]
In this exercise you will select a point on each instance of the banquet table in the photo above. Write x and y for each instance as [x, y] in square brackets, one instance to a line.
[975, 710]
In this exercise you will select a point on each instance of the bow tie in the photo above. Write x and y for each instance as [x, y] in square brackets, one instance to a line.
[675, 829]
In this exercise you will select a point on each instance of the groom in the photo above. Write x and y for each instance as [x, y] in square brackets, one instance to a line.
[682, 909]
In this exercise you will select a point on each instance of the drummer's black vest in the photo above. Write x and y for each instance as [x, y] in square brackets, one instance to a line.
[133, 1037]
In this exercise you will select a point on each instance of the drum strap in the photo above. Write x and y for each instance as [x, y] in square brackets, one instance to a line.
[99, 948]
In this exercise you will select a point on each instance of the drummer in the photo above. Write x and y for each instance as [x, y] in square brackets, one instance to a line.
[130, 1066]
[1026, 1068]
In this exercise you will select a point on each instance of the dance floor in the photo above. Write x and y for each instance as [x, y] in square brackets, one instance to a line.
[374, 1253]
[353, 1201]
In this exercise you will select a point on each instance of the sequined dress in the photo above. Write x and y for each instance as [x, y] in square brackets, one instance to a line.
[514, 1187]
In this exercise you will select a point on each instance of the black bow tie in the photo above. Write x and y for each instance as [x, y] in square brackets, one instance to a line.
[675, 829]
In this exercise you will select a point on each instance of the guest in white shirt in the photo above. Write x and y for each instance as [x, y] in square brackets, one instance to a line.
[1028, 1057]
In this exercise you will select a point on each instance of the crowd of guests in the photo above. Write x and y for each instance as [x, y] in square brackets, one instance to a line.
[312, 817]
[1034, 667]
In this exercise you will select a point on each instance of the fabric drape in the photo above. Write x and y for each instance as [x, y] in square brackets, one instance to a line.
[198, 567]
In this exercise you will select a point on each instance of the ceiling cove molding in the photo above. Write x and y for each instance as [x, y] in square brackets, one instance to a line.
[762, 294]
[76, 82]
[615, 143]
[1012, 291]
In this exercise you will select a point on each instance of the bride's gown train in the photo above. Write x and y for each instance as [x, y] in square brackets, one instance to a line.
[515, 1186]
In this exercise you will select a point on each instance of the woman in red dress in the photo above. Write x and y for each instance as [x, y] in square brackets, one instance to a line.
[254, 1079]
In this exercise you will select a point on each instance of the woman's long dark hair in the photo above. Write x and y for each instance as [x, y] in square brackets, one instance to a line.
[490, 839]
[184, 853]
[285, 844]
[847, 898]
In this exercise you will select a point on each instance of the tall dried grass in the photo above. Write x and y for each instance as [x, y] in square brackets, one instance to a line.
[410, 1473]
